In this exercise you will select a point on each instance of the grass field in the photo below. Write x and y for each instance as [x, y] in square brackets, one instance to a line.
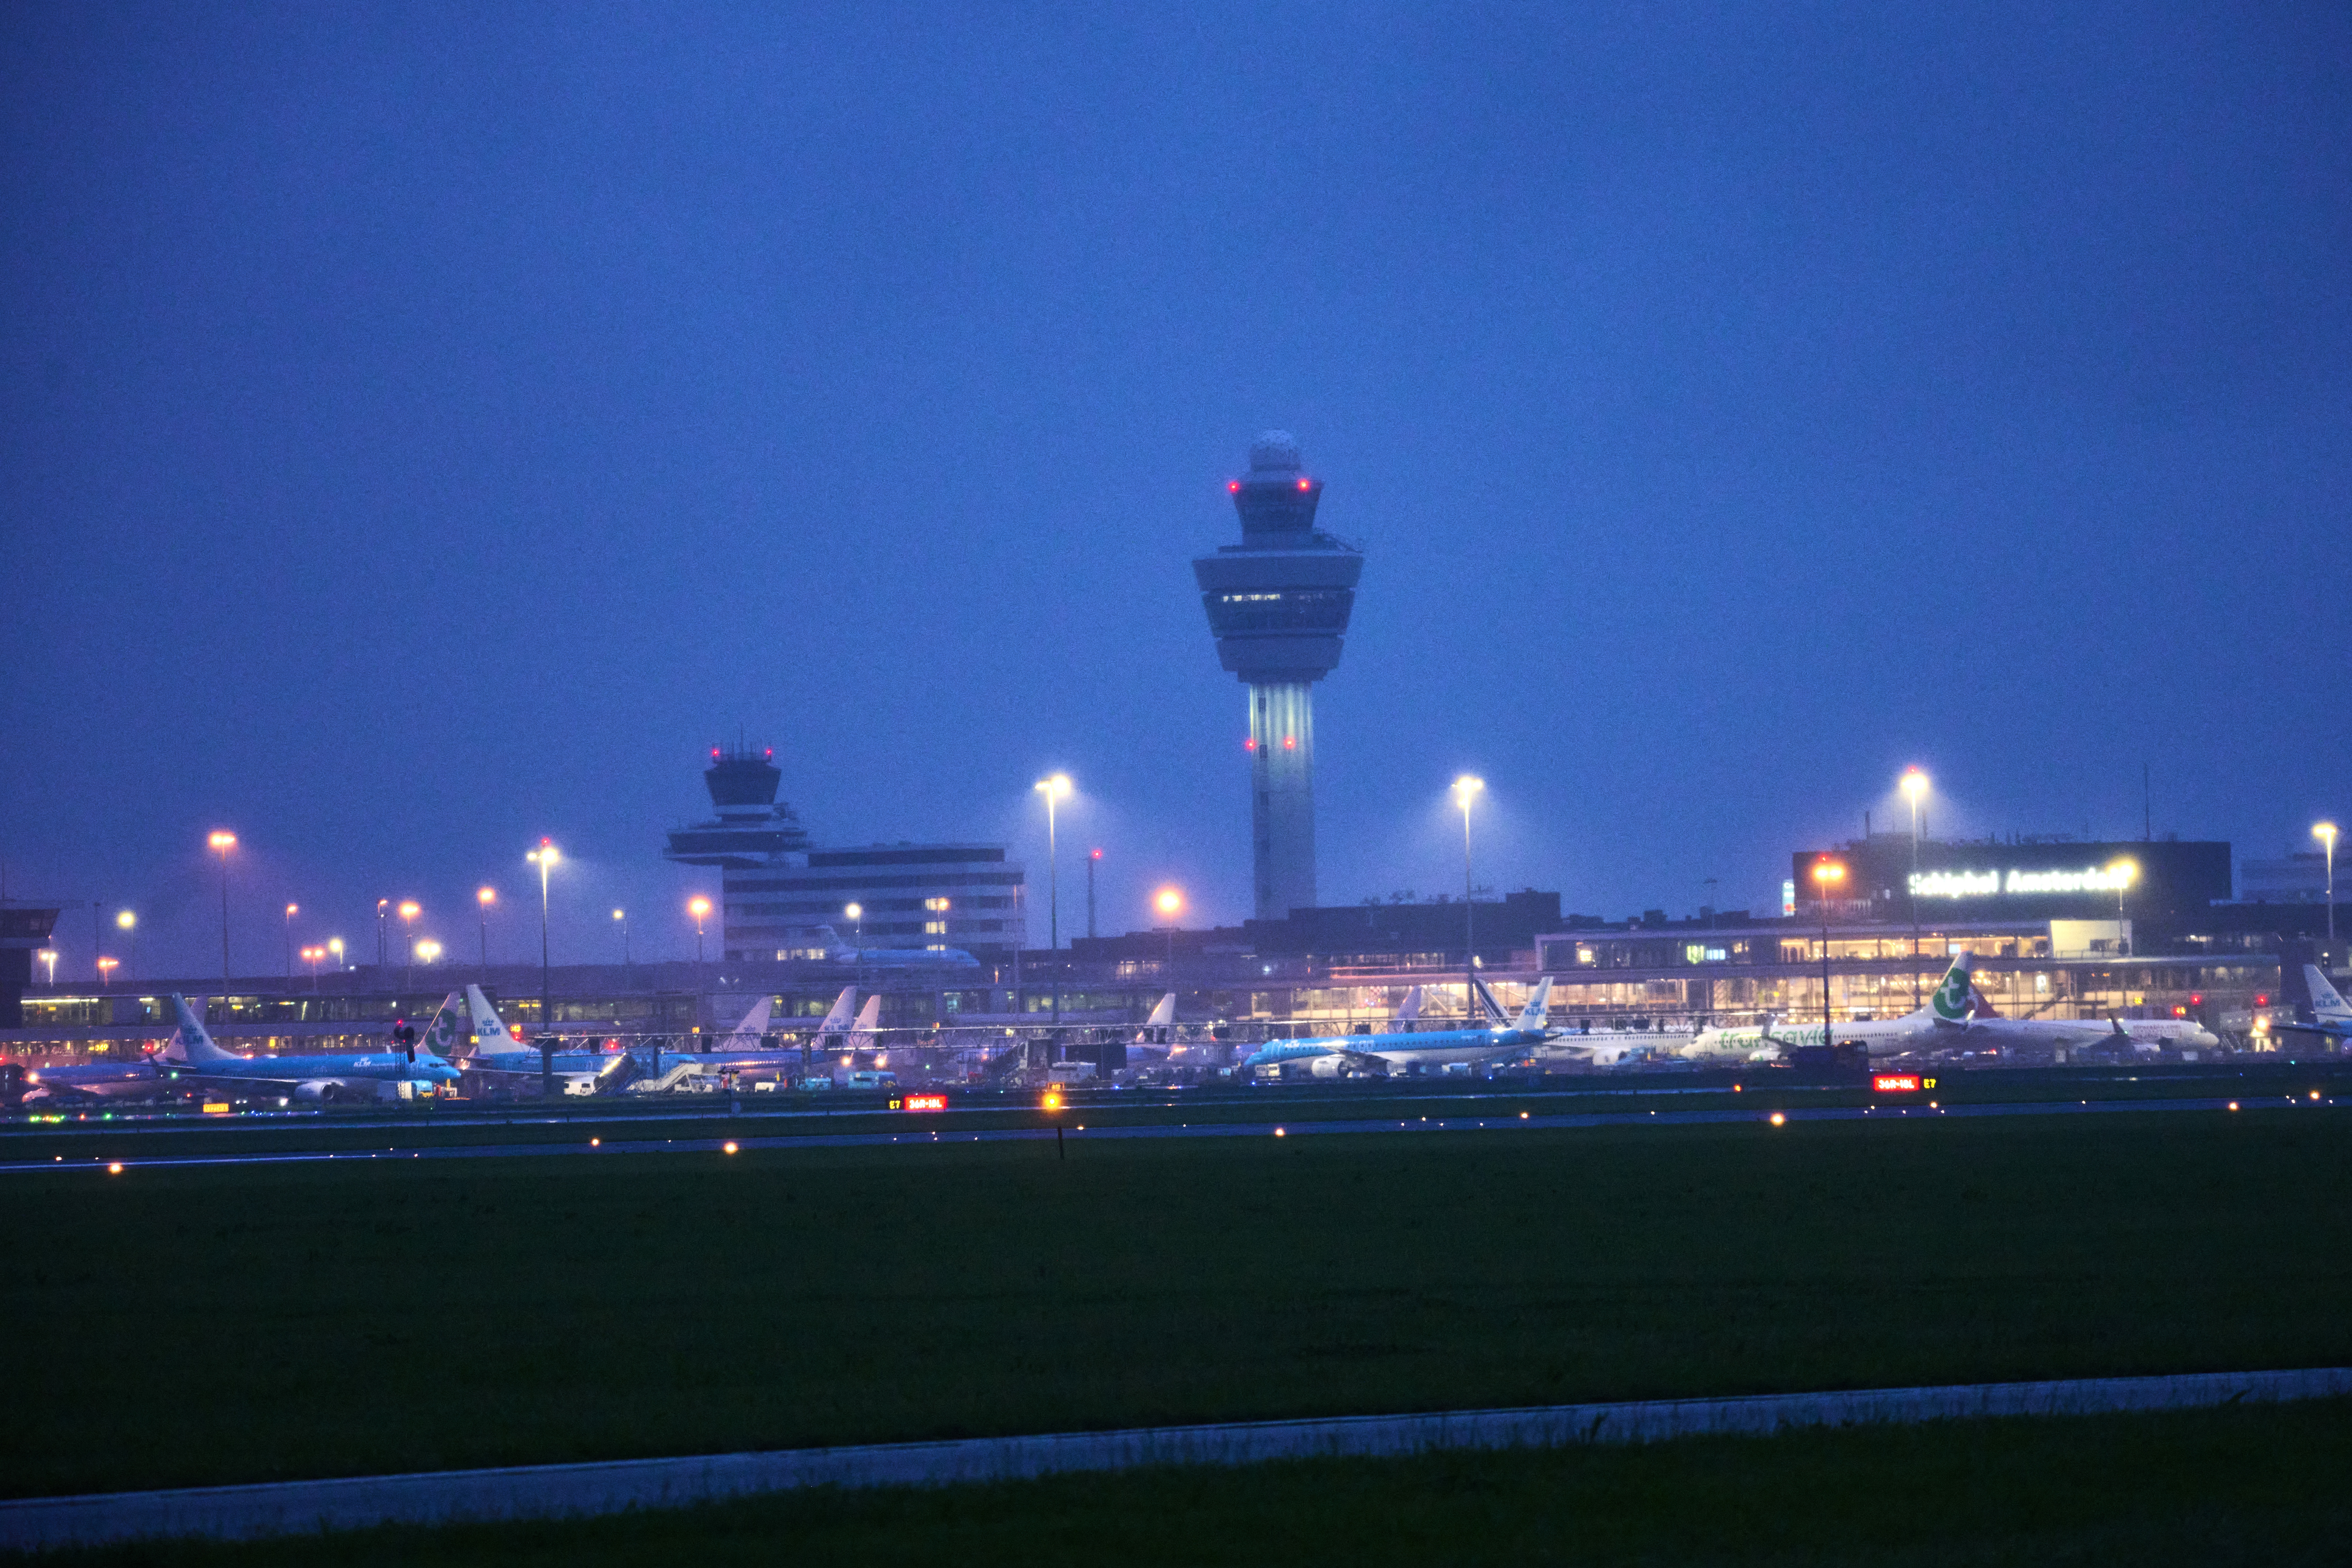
[190, 1326]
[2260, 1485]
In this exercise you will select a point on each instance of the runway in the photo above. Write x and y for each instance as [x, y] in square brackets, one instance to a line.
[1076, 1134]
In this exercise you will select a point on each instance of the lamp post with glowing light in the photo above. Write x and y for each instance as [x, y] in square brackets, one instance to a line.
[1465, 790]
[409, 911]
[311, 955]
[483, 899]
[128, 924]
[382, 954]
[1054, 789]
[221, 843]
[1827, 874]
[429, 950]
[1168, 903]
[621, 918]
[1915, 785]
[48, 955]
[106, 971]
[699, 908]
[1094, 859]
[291, 911]
[544, 858]
[2326, 833]
[335, 947]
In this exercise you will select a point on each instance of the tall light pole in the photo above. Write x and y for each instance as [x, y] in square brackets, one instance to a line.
[1915, 785]
[1054, 789]
[106, 971]
[221, 842]
[699, 908]
[48, 955]
[1465, 790]
[1827, 874]
[1094, 859]
[335, 946]
[483, 899]
[127, 923]
[382, 955]
[291, 911]
[544, 858]
[2326, 833]
[409, 911]
[311, 955]
[621, 918]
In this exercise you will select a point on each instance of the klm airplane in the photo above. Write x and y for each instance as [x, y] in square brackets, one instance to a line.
[2331, 1016]
[498, 1061]
[190, 1063]
[839, 952]
[1337, 1055]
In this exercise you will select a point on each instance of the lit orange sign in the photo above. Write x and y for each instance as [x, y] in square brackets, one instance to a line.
[927, 1102]
[1900, 1082]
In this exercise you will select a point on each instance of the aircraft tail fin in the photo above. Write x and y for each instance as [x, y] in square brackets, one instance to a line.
[869, 1018]
[449, 1026]
[836, 1017]
[2326, 1004]
[1484, 1002]
[747, 1034]
[1979, 1006]
[1411, 1012]
[1538, 1006]
[189, 1042]
[489, 1031]
[1949, 1004]
[1163, 1015]
[834, 948]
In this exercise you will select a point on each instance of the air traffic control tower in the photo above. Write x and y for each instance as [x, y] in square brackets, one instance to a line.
[1278, 603]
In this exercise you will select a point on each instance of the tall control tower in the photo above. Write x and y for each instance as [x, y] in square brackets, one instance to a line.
[1278, 603]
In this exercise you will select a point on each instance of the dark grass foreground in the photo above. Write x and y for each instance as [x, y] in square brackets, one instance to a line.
[2246, 1485]
[191, 1327]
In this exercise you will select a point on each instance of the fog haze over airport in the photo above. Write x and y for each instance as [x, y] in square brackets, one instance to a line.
[425, 431]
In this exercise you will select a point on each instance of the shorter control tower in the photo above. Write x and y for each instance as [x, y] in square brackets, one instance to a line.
[1278, 603]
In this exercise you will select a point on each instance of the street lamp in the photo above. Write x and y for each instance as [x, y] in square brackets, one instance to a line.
[382, 952]
[544, 858]
[221, 842]
[699, 908]
[311, 955]
[2326, 833]
[291, 911]
[1827, 874]
[106, 971]
[335, 946]
[409, 911]
[621, 918]
[483, 899]
[429, 950]
[1168, 903]
[48, 955]
[127, 923]
[1915, 785]
[1465, 790]
[1094, 859]
[2122, 872]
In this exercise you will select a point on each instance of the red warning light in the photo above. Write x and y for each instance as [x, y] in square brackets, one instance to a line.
[1234, 486]
[1302, 484]
[1250, 744]
[714, 753]
[1290, 742]
[1096, 856]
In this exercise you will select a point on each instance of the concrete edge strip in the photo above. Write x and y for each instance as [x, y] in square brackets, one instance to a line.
[544, 1491]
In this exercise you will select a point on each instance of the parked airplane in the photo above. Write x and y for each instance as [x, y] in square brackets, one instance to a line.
[500, 1062]
[1977, 1023]
[839, 952]
[1335, 1056]
[81, 1082]
[1880, 1036]
[191, 1062]
[2331, 1015]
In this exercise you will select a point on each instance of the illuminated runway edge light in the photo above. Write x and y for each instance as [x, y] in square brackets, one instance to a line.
[541, 1491]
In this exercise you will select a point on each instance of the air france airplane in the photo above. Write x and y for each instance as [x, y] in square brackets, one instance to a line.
[1334, 1055]
[190, 1061]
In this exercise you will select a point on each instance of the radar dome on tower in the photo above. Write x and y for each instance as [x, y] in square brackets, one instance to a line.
[1275, 450]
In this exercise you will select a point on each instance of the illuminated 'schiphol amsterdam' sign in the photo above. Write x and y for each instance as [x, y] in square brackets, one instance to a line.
[1978, 884]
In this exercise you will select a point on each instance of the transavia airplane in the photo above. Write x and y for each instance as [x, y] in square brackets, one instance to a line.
[1954, 1015]
[839, 952]
[2331, 1016]
[1337, 1055]
[190, 1062]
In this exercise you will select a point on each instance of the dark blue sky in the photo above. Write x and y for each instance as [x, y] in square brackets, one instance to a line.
[427, 429]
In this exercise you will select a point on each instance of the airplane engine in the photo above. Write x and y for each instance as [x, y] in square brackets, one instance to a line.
[1327, 1066]
[321, 1093]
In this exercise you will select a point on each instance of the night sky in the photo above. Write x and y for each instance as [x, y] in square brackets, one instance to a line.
[426, 428]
